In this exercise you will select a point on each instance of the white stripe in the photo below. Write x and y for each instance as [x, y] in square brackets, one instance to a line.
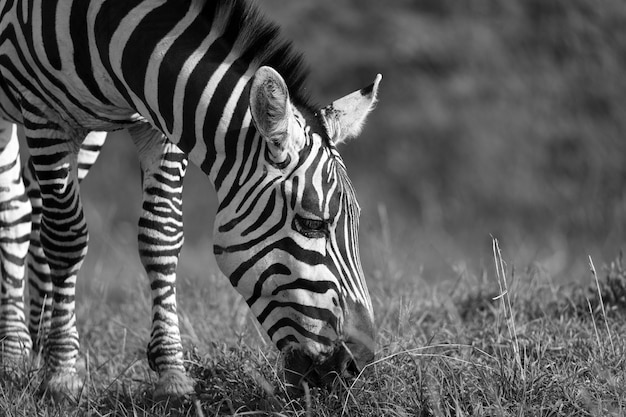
[151, 85]
[120, 38]
[199, 151]
[223, 127]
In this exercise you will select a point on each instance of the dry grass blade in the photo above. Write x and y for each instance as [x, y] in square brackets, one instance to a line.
[307, 398]
[416, 352]
[198, 408]
[505, 299]
[606, 321]
[593, 320]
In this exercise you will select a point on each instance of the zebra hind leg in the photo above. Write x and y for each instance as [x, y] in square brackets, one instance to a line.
[15, 226]
[64, 240]
[39, 281]
[160, 240]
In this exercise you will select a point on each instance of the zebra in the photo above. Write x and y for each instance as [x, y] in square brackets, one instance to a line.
[39, 282]
[162, 177]
[20, 211]
[215, 79]
[163, 169]
[21, 221]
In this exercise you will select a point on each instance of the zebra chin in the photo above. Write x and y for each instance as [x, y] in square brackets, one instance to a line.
[346, 359]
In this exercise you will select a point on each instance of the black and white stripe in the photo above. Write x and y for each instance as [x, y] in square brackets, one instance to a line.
[215, 79]
[160, 235]
[15, 228]
[39, 281]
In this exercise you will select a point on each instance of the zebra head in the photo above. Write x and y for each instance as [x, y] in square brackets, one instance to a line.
[289, 242]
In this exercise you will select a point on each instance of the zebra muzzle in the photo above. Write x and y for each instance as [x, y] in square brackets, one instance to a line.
[300, 369]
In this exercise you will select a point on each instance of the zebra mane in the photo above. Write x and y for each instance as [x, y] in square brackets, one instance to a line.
[260, 42]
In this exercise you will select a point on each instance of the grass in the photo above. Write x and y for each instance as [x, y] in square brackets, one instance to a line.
[461, 347]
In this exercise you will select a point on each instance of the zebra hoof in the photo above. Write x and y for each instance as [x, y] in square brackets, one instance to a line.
[64, 386]
[173, 385]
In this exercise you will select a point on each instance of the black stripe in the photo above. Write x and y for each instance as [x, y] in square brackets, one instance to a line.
[319, 287]
[48, 32]
[176, 56]
[310, 200]
[265, 214]
[327, 180]
[294, 192]
[82, 54]
[235, 221]
[255, 138]
[7, 7]
[43, 77]
[92, 147]
[170, 206]
[274, 269]
[316, 313]
[234, 190]
[215, 110]
[4, 223]
[161, 229]
[286, 244]
[142, 42]
[172, 183]
[158, 192]
[107, 20]
[287, 322]
[20, 72]
[10, 258]
[159, 300]
[163, 269]
[196, 83]
[9, 166]
[268, 234]
[231, 140]
[286, 341]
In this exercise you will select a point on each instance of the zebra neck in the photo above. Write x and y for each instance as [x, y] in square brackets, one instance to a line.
[222, 123]
[186, 66]
[231, 150]
[192, 84]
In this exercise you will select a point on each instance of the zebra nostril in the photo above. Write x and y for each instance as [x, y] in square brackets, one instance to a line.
[297, 368]
[352, 369]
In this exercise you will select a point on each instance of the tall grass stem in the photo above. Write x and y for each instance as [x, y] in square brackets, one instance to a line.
[505, 299]
[606, 321]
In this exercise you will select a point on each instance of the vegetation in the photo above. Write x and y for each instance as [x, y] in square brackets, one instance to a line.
[501, 118]
[447, 350]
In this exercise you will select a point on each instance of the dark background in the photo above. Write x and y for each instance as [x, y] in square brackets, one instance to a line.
[503, 118]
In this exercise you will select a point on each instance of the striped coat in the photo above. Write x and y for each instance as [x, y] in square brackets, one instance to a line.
[216, 79]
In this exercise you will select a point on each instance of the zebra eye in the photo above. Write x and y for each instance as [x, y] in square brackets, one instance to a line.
[311, 228]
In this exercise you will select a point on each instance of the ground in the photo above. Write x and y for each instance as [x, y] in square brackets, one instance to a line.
[453, 348]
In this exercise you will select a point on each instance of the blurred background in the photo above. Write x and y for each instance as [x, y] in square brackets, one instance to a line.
[503, 118]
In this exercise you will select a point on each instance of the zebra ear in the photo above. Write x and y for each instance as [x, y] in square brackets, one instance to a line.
[270, 107]
[344, 118]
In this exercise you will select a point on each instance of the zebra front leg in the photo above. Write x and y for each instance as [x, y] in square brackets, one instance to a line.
[15, 226]
[160, 240]
[40, 284]
[64, 239]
